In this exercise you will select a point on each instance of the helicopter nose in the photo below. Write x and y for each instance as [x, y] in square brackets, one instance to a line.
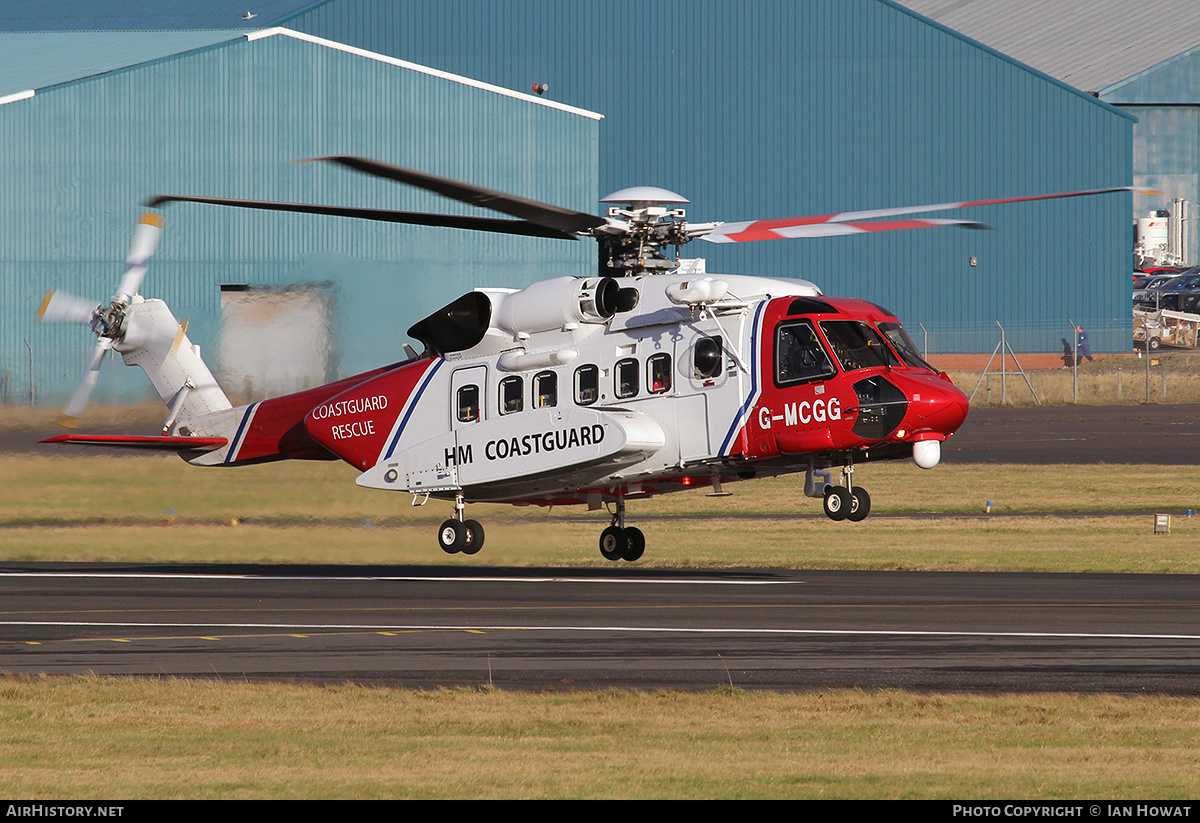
[935, 407]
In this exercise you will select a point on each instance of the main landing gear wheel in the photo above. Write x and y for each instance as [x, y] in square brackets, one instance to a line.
[622, 544]
[452, 536]
[464, 536]
[474, 537]
[613, 543]
[860, 504]
[837, 503]
[636, 544]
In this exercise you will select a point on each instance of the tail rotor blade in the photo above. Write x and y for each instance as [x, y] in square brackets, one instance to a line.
[145, 241]
[63, 307]
[180, 333]
[79, 401]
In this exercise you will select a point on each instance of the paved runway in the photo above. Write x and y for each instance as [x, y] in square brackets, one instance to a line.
[553, 628]
[1044, 435]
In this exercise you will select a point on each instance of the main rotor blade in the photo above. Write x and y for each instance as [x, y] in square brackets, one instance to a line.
[543, 214]
[787, 230]
[786, 227]
[491, 224]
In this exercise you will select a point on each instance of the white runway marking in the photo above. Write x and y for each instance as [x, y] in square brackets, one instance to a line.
[697, 581]
[639, 629]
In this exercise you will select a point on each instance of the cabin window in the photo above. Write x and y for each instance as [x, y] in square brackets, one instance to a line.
[625, 376]
[856, 345]
[799, 356]
[707, 361]
[512, 395]
[587, 385]
[545, 389]
[468, 404]
[658, 371]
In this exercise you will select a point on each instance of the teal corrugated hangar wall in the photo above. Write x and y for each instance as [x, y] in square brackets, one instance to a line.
[1166, 139]
[776, 108]
[79, 158]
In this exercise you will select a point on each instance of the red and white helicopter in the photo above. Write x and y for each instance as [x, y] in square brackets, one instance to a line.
[651, 377]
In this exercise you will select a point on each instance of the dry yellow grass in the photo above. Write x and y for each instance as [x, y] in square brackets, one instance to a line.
[1174, 377]
[118, 508]
[96, 738]
[1108, 544]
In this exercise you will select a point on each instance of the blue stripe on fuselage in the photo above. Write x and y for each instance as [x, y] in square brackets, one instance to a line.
[412, 406]
[236, 445]
[744, 410]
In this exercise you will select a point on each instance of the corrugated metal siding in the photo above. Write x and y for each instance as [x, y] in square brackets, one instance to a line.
[1166, 139]
[1166, 158]
[775, 108]
[228, 121]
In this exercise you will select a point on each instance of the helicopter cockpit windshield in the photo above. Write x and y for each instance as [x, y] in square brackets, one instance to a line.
[903, 344]
[856, 345]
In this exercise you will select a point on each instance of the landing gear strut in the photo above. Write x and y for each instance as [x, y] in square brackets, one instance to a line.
[619, 542]
[458, 534]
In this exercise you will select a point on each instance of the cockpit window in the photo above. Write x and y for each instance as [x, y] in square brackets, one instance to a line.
[903, 344]
[856, 345]
[799, 355]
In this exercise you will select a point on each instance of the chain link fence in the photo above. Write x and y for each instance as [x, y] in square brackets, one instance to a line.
[46, 377]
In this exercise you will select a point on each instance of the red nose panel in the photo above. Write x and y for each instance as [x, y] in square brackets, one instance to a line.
[935, 405]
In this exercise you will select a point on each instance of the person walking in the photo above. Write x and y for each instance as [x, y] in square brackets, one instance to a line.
[1083, 348]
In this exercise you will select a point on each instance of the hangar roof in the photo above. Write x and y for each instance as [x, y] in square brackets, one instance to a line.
[38, 60]
[1088, 44]
[171, 15]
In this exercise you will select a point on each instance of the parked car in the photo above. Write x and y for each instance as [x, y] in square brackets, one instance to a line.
[1156, 287]
[1150, 281]
[1151, 271]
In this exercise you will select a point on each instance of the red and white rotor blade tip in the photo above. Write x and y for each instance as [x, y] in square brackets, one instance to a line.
[64, 307]
[79, 401]
[145, 241]
[813, 225]
[786, 230]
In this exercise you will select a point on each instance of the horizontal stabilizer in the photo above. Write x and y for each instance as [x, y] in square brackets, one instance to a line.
[159, 443]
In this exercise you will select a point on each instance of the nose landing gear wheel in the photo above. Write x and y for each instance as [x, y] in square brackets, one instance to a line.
[837, 503]
[860, 504]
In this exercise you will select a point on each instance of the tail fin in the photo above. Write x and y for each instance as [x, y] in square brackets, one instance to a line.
[154, 340]
[202, 425]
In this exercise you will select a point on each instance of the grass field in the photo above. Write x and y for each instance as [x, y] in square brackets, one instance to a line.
[110, 738]
[144, 509]
[94, 738]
